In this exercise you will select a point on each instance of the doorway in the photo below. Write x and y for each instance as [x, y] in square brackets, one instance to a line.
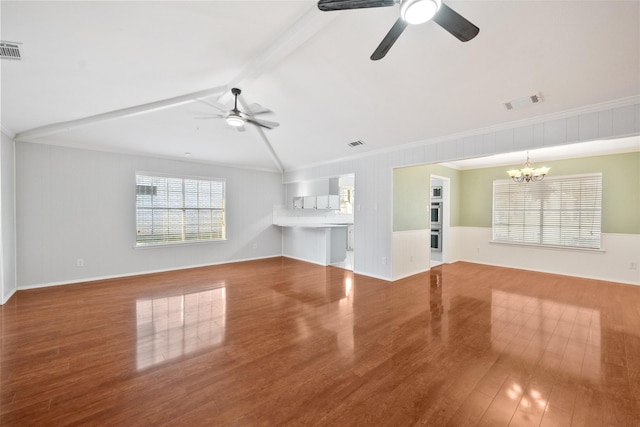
[346, 186]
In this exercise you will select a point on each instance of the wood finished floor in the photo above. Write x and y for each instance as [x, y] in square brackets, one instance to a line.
[283, 342]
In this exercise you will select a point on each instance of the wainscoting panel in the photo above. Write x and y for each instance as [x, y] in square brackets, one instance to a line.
[621, 252]
[411, 251]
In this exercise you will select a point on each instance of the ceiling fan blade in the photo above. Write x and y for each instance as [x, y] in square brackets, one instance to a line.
[455, 24]
[262, 123]
[329, 5]
[256, 109]
[389, 39]
[265, 122]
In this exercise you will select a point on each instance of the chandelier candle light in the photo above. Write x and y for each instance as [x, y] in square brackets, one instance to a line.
[528, 173]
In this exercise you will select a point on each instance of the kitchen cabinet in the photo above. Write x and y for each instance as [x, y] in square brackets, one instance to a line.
[309, 202]
[329, 201]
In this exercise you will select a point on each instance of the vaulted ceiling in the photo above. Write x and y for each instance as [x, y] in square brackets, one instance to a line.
[130, 76]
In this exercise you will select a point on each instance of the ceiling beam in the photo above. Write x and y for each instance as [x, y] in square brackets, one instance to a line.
[263, 137]
[291, 39]
[297, 34]
[117, 114]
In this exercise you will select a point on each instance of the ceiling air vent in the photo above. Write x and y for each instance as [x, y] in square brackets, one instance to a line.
[519, 103]
[10, 50]
[355, 143]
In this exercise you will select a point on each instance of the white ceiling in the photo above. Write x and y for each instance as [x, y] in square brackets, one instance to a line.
[96, 60]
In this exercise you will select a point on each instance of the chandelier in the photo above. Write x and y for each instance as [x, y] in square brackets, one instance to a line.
[528, 173]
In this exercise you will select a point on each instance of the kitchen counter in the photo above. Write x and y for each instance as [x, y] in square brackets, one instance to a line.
[316, 236]
[310, 225]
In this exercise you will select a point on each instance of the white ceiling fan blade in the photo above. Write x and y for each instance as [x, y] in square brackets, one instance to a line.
[263, 123]
[255, 109]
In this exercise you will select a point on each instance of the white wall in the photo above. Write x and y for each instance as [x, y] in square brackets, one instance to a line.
[612, 264]
[411, 252]
[7, 217]
[373, 219]
[81, 204]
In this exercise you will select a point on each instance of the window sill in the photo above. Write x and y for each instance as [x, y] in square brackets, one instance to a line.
[557, 248]
[174, 244]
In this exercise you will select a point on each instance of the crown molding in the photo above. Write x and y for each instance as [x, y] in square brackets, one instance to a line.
[594, 108]
[8, 132]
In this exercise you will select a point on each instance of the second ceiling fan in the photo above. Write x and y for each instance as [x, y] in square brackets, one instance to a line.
[237, 118]
[411, 12]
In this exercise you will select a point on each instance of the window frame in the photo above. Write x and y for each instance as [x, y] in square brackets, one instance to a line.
[551, 224]
[183, 241]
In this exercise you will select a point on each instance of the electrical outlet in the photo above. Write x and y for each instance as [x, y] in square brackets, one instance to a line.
[80, 262]
[633, 265]
[255, 245]
[384, 260]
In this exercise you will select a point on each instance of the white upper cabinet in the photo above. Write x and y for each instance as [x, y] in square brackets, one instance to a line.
[309, 202]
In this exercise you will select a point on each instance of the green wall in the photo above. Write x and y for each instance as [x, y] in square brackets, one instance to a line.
[411, 196]
[472, 192]
[620, 190]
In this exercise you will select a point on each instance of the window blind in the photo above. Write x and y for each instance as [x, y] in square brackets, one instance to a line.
[558, 211]
[172, 210]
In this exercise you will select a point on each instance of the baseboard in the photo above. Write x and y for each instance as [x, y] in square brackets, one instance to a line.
[581, 276]
[386, 279]
[404, 276]
[304, 260]
[8, 297]
[139, 273]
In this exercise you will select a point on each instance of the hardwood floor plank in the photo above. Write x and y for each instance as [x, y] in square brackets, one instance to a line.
[287, 343]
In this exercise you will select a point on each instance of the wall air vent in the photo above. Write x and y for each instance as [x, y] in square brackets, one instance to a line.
[10, 50]
[355, 143]
[519, 103]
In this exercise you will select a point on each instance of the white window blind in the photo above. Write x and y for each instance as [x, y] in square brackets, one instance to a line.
[558, 211]
[170, 210]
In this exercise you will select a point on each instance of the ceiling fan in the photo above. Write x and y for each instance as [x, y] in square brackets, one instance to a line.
[411, 12]
[237, 118]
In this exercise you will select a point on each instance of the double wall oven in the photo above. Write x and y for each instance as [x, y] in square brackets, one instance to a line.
[436, 219]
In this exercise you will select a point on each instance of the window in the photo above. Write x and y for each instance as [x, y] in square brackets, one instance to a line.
[171, 210]
[559, 211]
[346, 199]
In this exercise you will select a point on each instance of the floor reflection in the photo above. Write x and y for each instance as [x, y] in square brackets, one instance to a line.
[345, 307]
[170, 327]
[558, 336]
[436, 306]
[336, 317]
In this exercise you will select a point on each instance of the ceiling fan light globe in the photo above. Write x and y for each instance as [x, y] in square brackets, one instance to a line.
[419, 11]
[234, 120]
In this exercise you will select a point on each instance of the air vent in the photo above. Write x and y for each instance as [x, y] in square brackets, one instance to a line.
[355, 143]
[10, 50]
[517, 104]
